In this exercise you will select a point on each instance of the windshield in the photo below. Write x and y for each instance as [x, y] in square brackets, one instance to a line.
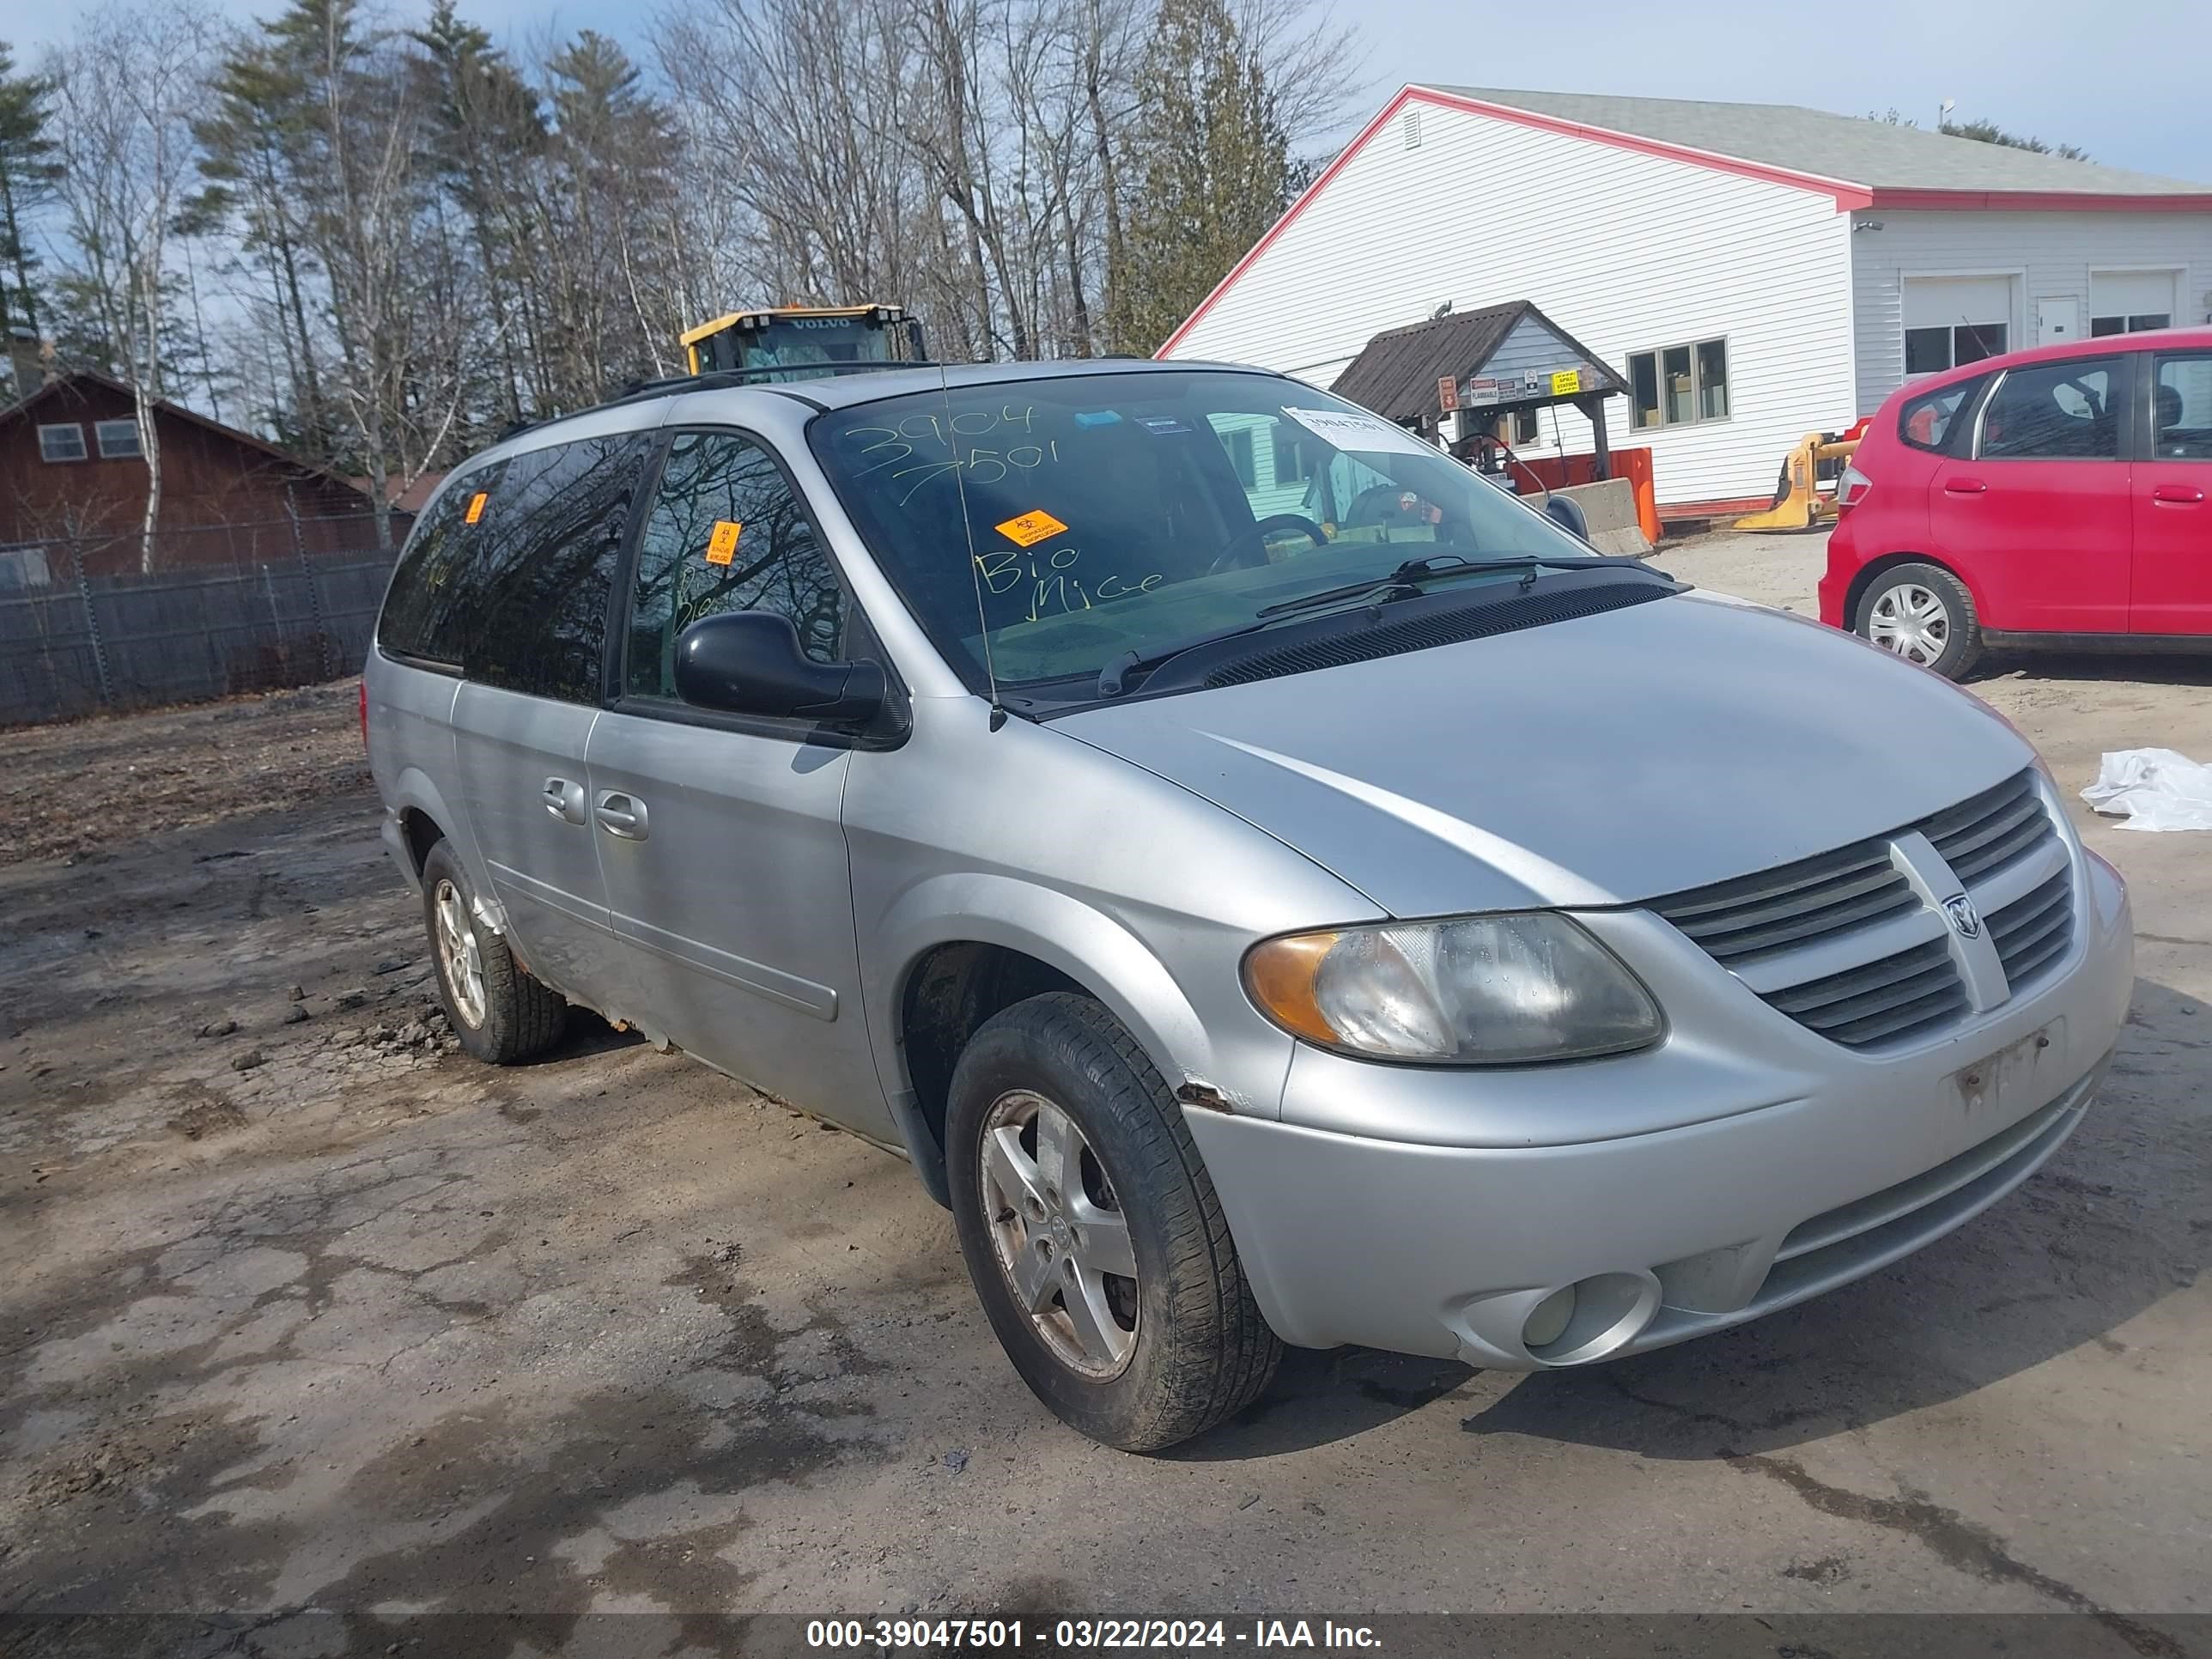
[1113, 513]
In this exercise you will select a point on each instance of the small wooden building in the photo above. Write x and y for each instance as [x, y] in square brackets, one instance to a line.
[72, 475]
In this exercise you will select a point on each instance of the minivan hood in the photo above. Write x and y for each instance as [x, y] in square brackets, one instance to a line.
[1603, 760]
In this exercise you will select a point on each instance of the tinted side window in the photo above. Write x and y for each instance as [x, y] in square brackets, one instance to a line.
[2181, 409]
[425, 612]
[1926, 422]
[545, 567]
[726, 533]
[2055, 411]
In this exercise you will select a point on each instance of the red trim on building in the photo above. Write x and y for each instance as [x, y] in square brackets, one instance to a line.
[2037, 201]
[1735, 506]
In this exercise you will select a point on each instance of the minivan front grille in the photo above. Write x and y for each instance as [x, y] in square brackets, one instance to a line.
[1993, 831]
[1844, 943]
[1736, 919]
[2034, 930]
[1890, 997]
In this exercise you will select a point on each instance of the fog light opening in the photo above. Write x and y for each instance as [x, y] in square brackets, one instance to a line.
[1590, 1318]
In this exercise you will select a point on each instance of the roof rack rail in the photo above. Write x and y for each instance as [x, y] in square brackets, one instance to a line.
[721, 379]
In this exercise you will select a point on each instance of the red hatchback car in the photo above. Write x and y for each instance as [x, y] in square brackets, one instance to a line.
[2059, 497]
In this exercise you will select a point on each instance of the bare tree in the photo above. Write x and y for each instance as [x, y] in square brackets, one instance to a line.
[128, 90]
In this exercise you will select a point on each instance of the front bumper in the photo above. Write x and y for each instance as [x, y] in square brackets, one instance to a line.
[1804, 1166]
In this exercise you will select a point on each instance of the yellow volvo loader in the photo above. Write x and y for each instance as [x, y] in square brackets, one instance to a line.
[797, 343]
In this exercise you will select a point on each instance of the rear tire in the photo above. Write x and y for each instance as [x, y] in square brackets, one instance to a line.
[1924, 614]
[1161, 1353]
[500, 1013]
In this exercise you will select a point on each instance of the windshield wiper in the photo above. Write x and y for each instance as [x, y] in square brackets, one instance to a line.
[1403, 583]
[1400, 584]
[1115, 674]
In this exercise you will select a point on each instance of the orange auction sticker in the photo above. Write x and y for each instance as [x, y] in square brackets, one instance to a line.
[1031, 528]
[722, 545]
[476, 506]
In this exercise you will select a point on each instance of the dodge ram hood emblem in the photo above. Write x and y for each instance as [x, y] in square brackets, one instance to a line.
[1963, 916]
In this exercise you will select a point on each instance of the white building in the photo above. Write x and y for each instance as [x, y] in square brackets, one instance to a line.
[1755, 271]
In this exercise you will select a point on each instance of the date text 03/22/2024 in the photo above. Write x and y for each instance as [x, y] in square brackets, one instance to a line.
[1014, 1635]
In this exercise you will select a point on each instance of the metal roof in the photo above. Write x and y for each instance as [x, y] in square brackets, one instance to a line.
[1396, 374]
[1853, 150]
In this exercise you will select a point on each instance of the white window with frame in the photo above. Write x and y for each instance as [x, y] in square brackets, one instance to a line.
[1679, 385]
[1953, 320]
[63, 440]
[118, 441]
[2131, 302]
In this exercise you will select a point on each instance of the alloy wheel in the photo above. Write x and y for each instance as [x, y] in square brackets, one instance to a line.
[1912, 621]
[457, 955]
[1060, 1234]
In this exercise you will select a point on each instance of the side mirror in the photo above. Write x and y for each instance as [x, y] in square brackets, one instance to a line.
[748, 662]
[1568, 515]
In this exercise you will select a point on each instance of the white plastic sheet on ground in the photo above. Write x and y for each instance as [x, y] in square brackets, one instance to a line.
[2152, 789]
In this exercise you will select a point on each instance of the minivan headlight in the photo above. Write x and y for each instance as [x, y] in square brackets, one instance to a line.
[1479, 991]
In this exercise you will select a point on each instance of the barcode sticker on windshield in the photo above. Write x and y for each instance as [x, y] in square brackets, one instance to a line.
[1031, 528]
[475, 506]
[722, 545]
[1358, 432]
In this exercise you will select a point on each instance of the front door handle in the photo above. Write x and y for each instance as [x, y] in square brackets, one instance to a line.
[621, 815]
[2177, 495]
[1964, 487]
[564, 799]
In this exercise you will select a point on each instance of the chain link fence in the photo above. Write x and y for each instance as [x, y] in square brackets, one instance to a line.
[302, 610]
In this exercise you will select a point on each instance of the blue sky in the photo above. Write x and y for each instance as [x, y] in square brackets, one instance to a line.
[2127, 81]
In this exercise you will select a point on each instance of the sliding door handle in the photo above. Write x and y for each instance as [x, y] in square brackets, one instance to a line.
[621, 815]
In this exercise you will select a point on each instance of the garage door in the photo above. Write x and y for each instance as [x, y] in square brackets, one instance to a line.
[2124, 301]
[1950, 320]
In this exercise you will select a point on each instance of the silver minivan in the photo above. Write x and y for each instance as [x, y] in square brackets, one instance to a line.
[1274, 886]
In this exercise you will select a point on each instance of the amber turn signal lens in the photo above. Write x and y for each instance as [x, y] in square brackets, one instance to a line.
[1279, 975]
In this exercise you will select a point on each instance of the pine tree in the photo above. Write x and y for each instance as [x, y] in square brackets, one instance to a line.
[253, 154]
[484, 124]
[28, 171]
[1211, 164]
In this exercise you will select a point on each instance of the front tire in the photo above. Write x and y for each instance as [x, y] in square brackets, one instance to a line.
[1092, 1232]
[1924, 614]
[500, 1013]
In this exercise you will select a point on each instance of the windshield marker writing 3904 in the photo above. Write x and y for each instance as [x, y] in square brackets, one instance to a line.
[922, 448]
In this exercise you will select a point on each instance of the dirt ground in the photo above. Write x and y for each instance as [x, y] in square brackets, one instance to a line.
[303, 1310]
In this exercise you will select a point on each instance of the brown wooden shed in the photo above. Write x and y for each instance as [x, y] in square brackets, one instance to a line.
[71, 473]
